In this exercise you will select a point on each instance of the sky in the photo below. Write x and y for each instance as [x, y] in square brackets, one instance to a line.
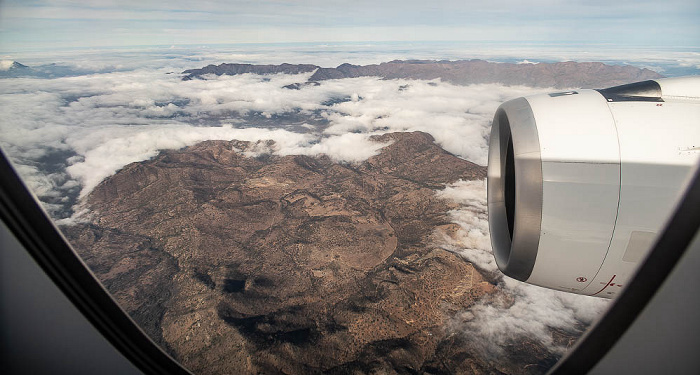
[60, 24]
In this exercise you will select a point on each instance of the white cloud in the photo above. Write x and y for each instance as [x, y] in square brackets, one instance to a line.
[347, 147]
[109, 120]
[107, 150]
[6, 64]
[458, 117]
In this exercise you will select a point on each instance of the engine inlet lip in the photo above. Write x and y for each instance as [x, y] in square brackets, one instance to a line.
[515, 189]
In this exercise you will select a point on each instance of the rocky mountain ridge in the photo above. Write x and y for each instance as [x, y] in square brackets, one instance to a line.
[234, 69]
[461, 72]
[293, 264]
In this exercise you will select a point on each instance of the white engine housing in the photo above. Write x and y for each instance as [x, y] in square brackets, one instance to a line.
[580, 182]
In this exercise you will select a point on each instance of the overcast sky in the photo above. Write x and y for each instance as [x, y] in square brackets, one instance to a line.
[51, 24]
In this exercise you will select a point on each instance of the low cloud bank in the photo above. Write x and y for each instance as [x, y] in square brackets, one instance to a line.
[108, 150]
[72, 131]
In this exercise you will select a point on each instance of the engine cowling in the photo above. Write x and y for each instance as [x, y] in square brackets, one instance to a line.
[580, 182]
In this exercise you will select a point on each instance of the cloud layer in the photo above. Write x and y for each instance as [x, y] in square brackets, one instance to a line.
[72, 131]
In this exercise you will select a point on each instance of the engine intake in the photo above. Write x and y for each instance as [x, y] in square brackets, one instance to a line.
[579, 182]
[515, 188]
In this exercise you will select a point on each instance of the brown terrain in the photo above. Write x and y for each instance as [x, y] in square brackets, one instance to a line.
[567, 74]
[293, 264]
[233, 69]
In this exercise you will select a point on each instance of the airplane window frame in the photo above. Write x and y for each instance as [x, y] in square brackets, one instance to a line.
[21, 212]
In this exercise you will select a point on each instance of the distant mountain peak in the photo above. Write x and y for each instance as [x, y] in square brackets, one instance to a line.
[6, 65]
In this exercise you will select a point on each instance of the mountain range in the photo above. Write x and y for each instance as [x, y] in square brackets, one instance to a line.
[461, 72]
[295, 264]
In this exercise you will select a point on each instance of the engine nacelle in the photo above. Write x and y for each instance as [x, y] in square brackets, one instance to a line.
[580, 182]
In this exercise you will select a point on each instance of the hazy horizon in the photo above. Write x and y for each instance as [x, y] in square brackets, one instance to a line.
[667, 61]
[45, 25]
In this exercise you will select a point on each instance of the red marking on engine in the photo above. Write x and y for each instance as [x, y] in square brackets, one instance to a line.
[606, 285]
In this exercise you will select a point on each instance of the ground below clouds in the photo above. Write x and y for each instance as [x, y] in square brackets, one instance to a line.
[301, 264]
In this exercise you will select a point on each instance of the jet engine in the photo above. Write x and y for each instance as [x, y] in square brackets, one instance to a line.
[580, 182]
